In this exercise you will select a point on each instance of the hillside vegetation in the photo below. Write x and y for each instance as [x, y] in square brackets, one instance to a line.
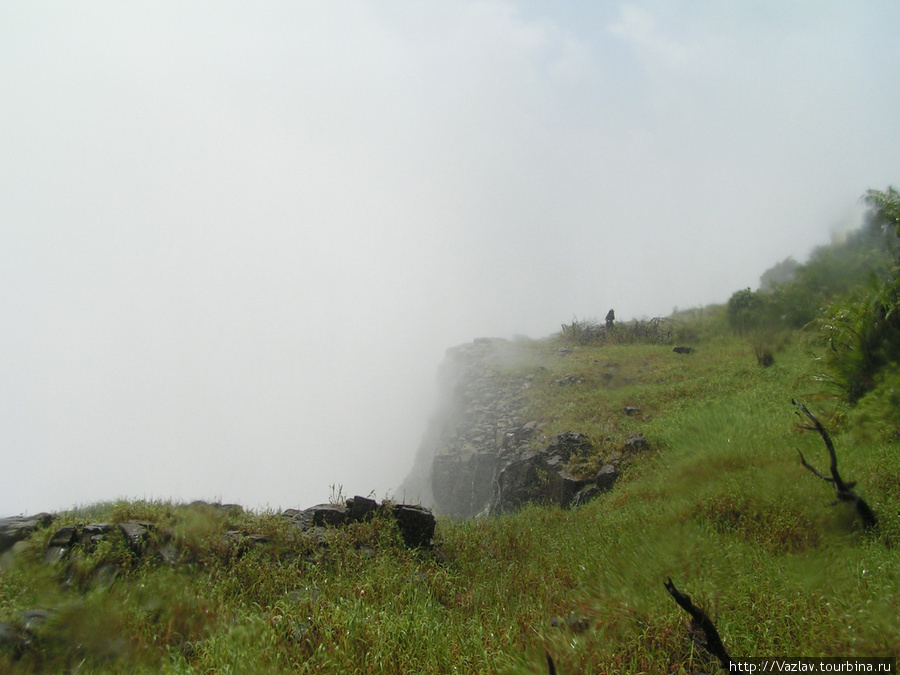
[720, 503]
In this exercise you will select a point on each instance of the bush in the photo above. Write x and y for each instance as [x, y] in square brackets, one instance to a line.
[875, 419]
[747, 310]
[652, 331]
[862, 336]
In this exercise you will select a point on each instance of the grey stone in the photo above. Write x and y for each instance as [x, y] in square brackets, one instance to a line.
[321, 515]
[20, 635]
[64, 537]
[93, 534]
[60, 543]
[544, 477]
[54, 554]
[540, 476]
[136, 533]
[569, 443]
[16, 528]
[21, 547]
[606, 477]
[361, 508]
[585, 494]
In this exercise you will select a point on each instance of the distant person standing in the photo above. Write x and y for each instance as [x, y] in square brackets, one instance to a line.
[610, 318]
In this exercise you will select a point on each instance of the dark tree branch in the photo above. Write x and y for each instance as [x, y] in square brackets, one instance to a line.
[700, 621]
[812, 468]
[844, 491]
[550, 667]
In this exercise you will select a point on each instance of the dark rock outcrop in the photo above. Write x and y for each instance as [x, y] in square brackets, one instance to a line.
[482, 455]
[136, 533]
[416, 523]
[478, 426]
[636, 443]
[18, 528]
[543, 477]
[86, 537]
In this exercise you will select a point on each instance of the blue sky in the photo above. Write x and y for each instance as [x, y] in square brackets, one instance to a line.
[236, 239]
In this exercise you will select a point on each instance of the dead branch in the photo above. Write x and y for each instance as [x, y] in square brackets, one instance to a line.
[700, 621]
[551, 669]
[843, 490]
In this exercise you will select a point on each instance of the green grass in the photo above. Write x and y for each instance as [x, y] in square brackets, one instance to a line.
[720, 503]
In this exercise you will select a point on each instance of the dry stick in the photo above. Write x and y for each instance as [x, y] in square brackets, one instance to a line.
[844, 491]
[700, 620]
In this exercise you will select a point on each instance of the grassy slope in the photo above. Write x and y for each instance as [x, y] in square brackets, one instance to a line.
[720, 504]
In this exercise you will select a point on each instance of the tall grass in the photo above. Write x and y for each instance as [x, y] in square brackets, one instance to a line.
[720, 503]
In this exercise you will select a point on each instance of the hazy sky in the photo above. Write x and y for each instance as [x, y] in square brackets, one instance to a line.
[237, 237]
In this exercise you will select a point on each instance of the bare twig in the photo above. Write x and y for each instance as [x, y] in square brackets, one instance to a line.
[700, 621]
[843, 490]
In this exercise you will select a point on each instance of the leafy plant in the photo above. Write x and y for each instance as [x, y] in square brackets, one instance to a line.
[862, 336]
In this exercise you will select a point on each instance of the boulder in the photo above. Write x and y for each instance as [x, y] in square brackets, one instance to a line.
[416, 524]
[606, 477]
[320, 515]
[60, 543]
[585, 494]
[360, 509]
[543, 477]
[93, 533]
[136, 533]
[535, 478]
[568, 443]
[17, 528]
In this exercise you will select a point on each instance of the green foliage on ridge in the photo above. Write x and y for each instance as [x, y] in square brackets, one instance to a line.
[720, 503]
[848, 293]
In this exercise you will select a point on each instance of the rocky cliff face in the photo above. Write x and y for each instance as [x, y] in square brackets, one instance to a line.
[477, 424]
[480, 453]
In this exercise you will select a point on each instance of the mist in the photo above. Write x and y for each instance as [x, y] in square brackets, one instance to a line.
[236, 239]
